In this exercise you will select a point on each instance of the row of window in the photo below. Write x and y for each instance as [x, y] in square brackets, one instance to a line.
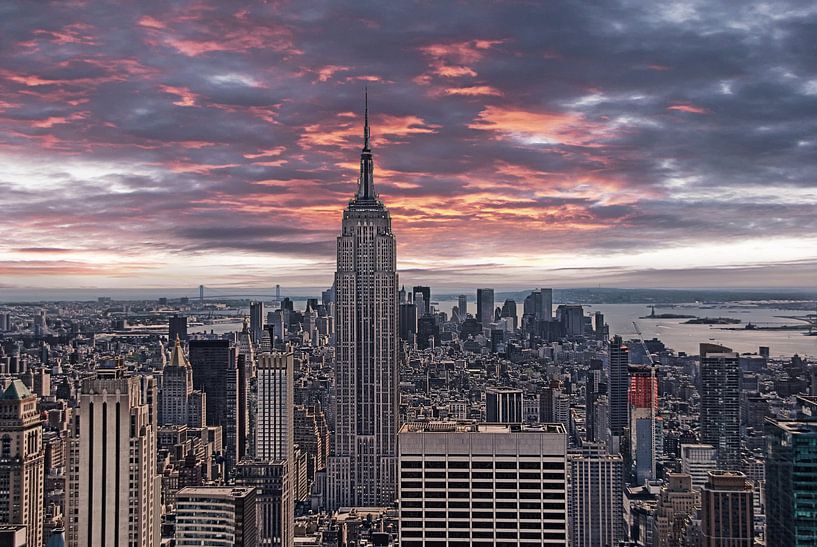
[437, 464]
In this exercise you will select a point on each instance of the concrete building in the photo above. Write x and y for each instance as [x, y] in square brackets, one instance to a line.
[114, 492]
[363, 468]
[677, 506]
[727, 517]
[698, 460]
[22, 462]
[482, 484]
[720, 403]
[216, 516]
[596, 494]
[503, 405]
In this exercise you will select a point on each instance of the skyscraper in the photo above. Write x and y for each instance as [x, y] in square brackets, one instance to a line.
[177, 386]
[485, 306]
[727, 514]
[720, 403]
[113, 489]
[21, 461]
[256, 320]
[462, 306]
[596, 509]
[363, 468]
[619, 386]
[215, 372]
[274, 434]
[791, 482]
[643, 400]
[503, 405]
[177, 328]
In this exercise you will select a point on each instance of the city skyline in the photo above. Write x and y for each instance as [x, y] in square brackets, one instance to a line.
[642, 147]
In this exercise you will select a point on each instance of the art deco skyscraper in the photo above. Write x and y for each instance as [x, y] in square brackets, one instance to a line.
[363, 467]
[21, 461]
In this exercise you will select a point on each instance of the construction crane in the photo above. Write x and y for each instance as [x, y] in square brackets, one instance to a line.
[643, 343]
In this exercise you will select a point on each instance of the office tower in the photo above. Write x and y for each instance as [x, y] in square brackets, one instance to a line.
[216, 516]
[643, 401]
[275, 433]
[177, 328]
[698, 460]
[485, 306]
[13, 535]
[177, 387]
[215, 372]
[619, 386]
[727, 513]
[312, 437]
[482, 484]
[256, 320]
[462, 306]
[422, 294]
[113, 489]
[509, 311]
[720, 403]
[408, 321]
[539, 305]
[677, 507]
[571, 318]
[791, 482]
[428, 332]
[22, 462]
[596, 509]
[363, 468]
[503, 405]
[272, 482]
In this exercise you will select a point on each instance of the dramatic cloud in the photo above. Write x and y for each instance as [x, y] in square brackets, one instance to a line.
[623, 143]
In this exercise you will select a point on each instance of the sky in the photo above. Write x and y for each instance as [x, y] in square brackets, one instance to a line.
[516, 144]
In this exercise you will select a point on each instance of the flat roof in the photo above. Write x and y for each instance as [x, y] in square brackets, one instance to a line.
[474, 427]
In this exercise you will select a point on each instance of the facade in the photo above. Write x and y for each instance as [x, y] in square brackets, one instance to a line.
[363, 468]
[720, 403]
[312, 437]
[503, 405]
[619, 386]
[177, 388]
[274, 436]
[485, 306]
[257, 320]
[677, 506]
[791, 482]
[482, 484]
[177, 328]
[216, 516]
[113, 492]
[22, 462]
[727, 514]
[213, 363]
[272, 483]
[643, 400]
[596, 494]
[697, 460]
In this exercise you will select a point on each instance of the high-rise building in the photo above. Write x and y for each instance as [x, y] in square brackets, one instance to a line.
[643, 401]
[256, 320]
[408, 321]
[462, 306]
[363, 468]
[485, 306]
[509, 312]
[727, 513]
[596, 494]
[677, 507]
[113, 491]
[312, 436]
[177, 387]
[22, 462]
[177, 328]
[503, 405]
[422, 294]
[720, 403]
[619, 386]
[272, 483]
[274, 434]
[482, 484]
[215, 372]
[698, 460]
[217, 516]
[791, 482]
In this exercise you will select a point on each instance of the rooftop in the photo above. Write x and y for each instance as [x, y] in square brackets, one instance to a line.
[473, 427]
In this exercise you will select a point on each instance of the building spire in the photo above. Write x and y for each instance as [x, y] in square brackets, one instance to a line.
[365, 191]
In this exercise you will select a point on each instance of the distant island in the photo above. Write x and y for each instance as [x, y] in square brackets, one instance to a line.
[668, 316]
[712, 321]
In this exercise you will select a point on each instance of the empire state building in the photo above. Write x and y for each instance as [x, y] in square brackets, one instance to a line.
[363, 467]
